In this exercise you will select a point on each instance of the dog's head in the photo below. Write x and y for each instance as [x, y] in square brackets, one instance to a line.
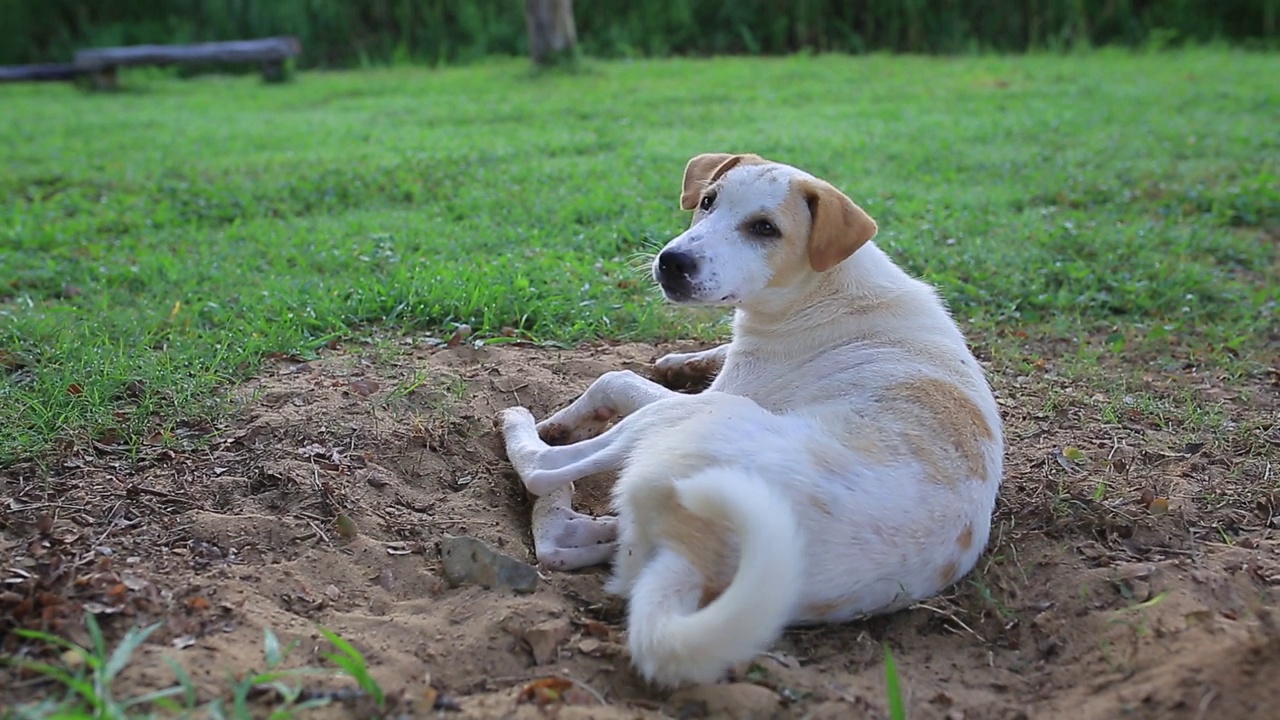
[757, 225]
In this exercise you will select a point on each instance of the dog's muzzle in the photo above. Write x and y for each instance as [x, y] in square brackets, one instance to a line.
[674, 271]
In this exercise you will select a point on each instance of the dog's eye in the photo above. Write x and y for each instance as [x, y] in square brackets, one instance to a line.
[707, 201]
[764, 228]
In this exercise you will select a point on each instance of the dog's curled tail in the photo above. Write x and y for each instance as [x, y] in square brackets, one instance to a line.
[672, 641]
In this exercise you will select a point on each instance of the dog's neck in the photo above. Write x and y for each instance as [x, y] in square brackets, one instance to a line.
[856, 287]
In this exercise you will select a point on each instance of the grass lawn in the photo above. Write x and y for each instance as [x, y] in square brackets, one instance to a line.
[156, 243]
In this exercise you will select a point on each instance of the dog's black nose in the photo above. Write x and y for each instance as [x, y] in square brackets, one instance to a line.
[676, 265]
[675, 273]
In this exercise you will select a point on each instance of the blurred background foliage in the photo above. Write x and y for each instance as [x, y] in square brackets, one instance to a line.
[352, 33]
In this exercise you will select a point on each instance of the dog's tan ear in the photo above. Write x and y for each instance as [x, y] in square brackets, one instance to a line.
[839, 226]
[704, 169]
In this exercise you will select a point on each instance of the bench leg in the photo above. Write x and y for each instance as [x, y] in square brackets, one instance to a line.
[106, 78]
[274, 71]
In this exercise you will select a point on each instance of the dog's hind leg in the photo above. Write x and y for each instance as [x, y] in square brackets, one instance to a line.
[568, 540]
[613, 395]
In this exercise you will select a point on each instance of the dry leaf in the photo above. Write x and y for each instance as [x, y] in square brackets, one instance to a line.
[12, 362]
[197, 604]
[595, 628]
[1147, 497]
[134, 389]
[1074, 454]
[429, 697]
[346, 526]
[363, 388]
[461, 333]
[1159, 506]
[546, 691]
[75, 389]
[156, 439]
[98, 608]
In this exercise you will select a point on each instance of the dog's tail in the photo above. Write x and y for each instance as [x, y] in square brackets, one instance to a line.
[671, 640]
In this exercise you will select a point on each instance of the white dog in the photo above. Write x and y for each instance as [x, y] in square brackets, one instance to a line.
[845, 461]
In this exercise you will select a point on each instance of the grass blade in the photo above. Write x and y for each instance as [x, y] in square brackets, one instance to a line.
[353, 662]
[184, 680]
[95, 632]
[45, 637]
[271, 648]
[153, 696]
[897, 708]
[124, 651]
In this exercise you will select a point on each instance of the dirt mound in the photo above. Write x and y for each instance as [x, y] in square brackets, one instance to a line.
[327, 502]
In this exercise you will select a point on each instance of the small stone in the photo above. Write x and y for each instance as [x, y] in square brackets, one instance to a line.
[376, 477]
[469, 561]
[73, 659]
[736, 701]
[589, 646]
[545, 638]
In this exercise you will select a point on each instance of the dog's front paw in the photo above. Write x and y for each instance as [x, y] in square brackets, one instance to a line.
[684, 371]
[515, 419]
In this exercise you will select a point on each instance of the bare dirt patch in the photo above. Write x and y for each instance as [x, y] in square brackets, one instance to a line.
[1133, 564]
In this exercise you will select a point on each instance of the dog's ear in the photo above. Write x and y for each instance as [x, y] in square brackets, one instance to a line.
[705, 169]
[839, 226]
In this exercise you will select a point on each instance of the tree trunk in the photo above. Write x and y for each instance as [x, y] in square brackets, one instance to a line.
[551, 31]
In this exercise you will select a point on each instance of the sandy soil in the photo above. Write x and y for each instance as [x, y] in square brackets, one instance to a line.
[326, 501]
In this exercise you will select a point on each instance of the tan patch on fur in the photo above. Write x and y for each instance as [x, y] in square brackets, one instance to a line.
[869, 446]
[945, 426]
[888, 538]
[819, 504]
[965, 541]
[947, 574]
[824, 456]
[822, 610]
[946, 359]
[708, 544]
[709, 595]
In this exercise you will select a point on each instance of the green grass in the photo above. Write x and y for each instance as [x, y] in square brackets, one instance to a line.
[893, 688]
[156, 243]
[85, 677]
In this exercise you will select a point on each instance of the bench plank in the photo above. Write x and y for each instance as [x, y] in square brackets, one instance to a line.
[262, 50]
[38, 73]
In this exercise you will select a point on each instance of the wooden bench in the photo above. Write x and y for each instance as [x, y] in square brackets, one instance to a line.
[102, 64]
[48, 72]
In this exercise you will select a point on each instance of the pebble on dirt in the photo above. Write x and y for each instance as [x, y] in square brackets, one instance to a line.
[469, 561]
[732, 701]
[545, 639]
